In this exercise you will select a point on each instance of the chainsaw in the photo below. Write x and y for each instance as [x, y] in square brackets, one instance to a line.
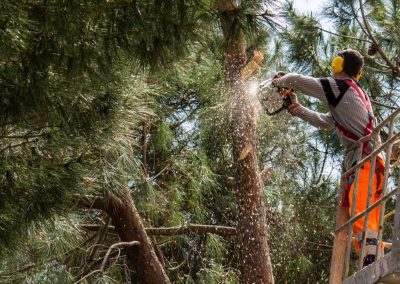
[274, 97]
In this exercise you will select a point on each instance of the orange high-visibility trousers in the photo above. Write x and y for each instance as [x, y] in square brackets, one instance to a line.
[362, 195]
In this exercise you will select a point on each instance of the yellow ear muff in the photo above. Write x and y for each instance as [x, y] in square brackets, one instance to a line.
[337, 64]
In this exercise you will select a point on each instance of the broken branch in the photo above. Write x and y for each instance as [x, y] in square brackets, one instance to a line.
[103, 264]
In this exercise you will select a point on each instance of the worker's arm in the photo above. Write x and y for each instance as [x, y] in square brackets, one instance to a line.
[307, 85]
[317, 119]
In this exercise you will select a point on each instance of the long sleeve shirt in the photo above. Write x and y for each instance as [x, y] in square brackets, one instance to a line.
[346, 108]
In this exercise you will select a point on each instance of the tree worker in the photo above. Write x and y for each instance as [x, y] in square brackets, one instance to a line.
[351, 114]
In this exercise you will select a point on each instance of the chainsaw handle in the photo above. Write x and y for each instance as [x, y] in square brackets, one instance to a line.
[287, 101]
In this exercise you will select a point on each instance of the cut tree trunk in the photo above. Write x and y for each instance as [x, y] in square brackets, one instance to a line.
[129, 227]
[252, 230]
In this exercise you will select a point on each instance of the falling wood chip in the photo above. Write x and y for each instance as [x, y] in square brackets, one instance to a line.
[245, 151]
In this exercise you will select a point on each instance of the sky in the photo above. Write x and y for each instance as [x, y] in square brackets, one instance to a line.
[307, 6]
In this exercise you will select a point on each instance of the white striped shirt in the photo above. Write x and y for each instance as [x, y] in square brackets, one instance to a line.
[350, 111]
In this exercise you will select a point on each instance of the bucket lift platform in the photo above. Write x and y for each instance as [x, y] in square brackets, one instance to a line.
[383, 271]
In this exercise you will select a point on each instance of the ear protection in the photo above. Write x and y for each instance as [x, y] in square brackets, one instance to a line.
[338, 65]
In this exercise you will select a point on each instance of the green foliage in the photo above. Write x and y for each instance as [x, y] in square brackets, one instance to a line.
[303, 41]
[98, 95]
[38, 255]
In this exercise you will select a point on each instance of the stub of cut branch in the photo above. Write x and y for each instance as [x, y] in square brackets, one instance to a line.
[245, 151]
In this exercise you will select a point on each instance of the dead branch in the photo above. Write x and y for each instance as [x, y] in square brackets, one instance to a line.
[180, 264]
[95, 263]
[100, 238]
[178, 230]
[159, 253]
[117, 245]
[103, 264]
[191, 228]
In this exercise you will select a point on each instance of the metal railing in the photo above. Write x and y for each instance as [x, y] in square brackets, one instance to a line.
[341, 258]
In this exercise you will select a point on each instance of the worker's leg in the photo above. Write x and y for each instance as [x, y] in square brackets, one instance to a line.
[373, 223]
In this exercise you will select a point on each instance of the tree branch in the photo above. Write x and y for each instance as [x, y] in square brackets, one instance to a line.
[95, 203]
[395, 69]
[117, 245]
[10, 146]
[344, 36]
[103, 264]
[191, 228]
[100, 238]
[383, 105]
[178, 230]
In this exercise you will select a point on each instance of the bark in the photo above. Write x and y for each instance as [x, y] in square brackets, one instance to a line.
[252, 231]
[129, 227]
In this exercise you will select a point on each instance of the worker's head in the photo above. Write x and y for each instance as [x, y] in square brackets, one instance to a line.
[349, 62]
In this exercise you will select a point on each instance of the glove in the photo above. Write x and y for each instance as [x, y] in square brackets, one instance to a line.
[294, 103]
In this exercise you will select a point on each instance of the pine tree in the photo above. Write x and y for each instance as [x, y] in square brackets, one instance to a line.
[63, 109]
[98, 95]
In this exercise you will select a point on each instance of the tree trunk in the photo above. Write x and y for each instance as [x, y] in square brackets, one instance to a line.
[252, 231]
[129, 227]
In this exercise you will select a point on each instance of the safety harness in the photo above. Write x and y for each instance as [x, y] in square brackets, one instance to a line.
[371, 123]
[343, 86]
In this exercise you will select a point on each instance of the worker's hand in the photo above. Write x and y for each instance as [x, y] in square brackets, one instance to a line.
[295, 102]
[258, 57]
[274, 82]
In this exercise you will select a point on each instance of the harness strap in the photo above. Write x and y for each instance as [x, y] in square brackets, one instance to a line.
[361, 94]
[330, 96]
[335, 101]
